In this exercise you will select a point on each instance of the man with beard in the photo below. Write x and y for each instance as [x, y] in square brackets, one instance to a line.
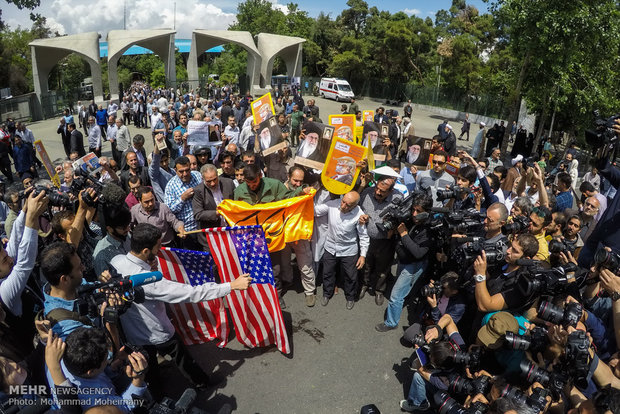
[117, 220]
[264, 138]
[413, 153]
[151, 211]
[309, 147]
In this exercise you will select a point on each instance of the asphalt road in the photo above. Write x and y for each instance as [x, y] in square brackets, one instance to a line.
[338, 361]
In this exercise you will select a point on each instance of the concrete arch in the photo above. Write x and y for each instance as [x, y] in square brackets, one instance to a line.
[205, 39]
[160, 41]
[47, 52]
[287, 47]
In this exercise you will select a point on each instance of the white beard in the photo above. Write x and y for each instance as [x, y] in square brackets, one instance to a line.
[411, 158]
[307, 150]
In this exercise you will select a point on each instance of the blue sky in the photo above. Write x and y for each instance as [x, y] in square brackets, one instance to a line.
[79, 16]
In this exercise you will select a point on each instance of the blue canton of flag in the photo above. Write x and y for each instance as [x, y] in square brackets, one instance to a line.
[198, 266]
[253, 254]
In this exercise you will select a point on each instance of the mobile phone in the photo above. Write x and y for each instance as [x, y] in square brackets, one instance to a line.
[422, 357]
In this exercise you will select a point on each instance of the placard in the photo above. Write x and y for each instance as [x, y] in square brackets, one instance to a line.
[372, 131]
[203, 133]
[368, 116]
[269, 134]
[89, 163]
[262, 108]
[344, 126]
[45, 159]
[313, 150]
[340, 171]
[415, 151]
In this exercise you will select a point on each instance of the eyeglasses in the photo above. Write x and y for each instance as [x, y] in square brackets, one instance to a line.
[439, 162]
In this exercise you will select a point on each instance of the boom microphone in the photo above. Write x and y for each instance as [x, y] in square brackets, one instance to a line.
[144, 278]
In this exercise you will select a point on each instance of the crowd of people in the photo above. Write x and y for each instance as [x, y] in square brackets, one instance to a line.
[509, 267]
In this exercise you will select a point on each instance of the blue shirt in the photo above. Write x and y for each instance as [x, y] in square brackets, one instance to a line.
[563, 201]
[22, 157]
[62, 328]
[172, 198]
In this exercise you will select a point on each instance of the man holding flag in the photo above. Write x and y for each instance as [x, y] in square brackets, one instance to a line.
[147, 324]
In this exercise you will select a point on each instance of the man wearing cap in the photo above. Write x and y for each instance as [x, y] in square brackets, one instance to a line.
[513, 173]
[501, 292]
[449, 143]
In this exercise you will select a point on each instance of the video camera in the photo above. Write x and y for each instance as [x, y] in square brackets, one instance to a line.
[55, 197]
[90, 296]
[468, 222]
[448, 405]
[603, 133]
[399, 211]
[470, 250]
[454, 191]
[536, 341]
[520, 224]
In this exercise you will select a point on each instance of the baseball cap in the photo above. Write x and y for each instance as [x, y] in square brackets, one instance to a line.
[491, 335]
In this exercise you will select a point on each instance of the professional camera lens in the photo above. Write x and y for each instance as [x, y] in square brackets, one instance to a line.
[418, 340]
[461, 386]
[447, 404]
[607, 259]
[518, 342]
[533, 373]
[557, 246]
[550, 313]
[429, 291]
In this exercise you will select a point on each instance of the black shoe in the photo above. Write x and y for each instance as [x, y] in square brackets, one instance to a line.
[382, 327]
[350, 304]
[363, 291]
[324, 301]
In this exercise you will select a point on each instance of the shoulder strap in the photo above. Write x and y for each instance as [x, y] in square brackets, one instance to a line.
[60, 314]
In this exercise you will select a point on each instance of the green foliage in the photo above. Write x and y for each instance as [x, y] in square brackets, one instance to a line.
[157, 78]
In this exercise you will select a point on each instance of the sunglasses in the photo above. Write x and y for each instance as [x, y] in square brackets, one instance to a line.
[439, 162]
[540, 213]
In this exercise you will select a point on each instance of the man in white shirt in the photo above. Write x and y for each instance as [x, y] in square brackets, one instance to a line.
[231, 132]
[147, 324]
[341, 246]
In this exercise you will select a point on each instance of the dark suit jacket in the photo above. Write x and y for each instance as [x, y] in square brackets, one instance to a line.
[381, 119]
[77, 142]
[124, 163]
[204, 206]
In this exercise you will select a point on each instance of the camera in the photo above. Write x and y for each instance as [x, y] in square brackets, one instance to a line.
[537, 400]
[553, 380]
[557, 246]
[429, 291]
[606, 259]
[184, 405]
[536, 341]
[55, 197]
[530, 162]
[520, 224]
[399, 211]
[419, 340]
[469, 359]
[448, 405]
[464, 386]
[469, 251]
[534, 280]
[454, 191]
[469, 222]
[603, 133]
[83, 181]
[577, 359]
[569, 316]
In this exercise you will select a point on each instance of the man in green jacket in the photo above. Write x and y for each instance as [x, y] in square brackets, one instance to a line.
[353, 107]
[297, 118]
[258, 190]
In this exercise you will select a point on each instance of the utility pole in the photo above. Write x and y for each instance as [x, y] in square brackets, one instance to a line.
[174, 24]
[125, 15]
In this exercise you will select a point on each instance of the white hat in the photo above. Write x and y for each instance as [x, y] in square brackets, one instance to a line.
[517, 159]
[482, 124]
[449, 127]
[386, 171]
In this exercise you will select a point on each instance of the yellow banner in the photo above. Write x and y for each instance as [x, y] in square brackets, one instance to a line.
[45, 159]
[283, 221]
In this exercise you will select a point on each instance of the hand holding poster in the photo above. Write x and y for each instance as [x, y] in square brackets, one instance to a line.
[368, 116]
[269, 136]
[49, 167]
[262, 108]
[340, 171]
[415, 150]
[89, 163]
[203, 133]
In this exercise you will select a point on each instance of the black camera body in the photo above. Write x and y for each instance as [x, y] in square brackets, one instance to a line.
[557, 246]
[576, 361]
[569, 316]
[469, 251]
[448, 405]
[468, 222]
[429, 291]
[536, 341]
[553, 380]
[399, 211]
[603, 133]
[538, 398]
[469, 359]
[520, 224]
[55, 197]
[453, 191]
[83, 181]
[535, 281]
[606, 259]
[464, 386]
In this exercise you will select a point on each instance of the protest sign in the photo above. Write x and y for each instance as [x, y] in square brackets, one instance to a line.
[415, 150]
[372, 131]
[340, 171]
[203, 133]
[262, 108]
[368, 116]
[89, 163]
[49, 167]
[313, 150]
[344, 126]
[269, 135]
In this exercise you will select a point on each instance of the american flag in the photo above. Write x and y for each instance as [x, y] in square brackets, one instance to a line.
[201, 322]
[256, 311]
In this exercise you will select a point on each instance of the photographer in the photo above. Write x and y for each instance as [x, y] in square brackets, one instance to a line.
[464, 199]
[487, 190]
[540, 219]
[442, 298]
[147, 324]
[373, 201]
[412, 250]
[501, 291]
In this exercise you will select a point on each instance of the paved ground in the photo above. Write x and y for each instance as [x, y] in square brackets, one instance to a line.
[338, 362]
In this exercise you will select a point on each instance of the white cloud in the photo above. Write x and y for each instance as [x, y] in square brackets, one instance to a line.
[412, 11]
[274, 5]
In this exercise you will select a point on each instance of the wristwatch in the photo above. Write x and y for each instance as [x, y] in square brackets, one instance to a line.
[615, 296]
[480, 278]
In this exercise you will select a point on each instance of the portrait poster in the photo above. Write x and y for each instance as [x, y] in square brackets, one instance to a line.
[340, 171]
[313, 149]
[89, 163]
[197, 133]
[368, 116]
[49, 167]
[262, 108]
[269, 136]
[372, 131]
[415, 151]
[344, 126]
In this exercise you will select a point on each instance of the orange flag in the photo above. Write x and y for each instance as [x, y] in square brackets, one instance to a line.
[283, 221]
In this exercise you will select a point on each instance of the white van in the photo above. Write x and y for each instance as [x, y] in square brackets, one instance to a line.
[338, 89]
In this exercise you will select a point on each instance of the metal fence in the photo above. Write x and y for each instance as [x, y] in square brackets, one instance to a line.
[20, 108]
